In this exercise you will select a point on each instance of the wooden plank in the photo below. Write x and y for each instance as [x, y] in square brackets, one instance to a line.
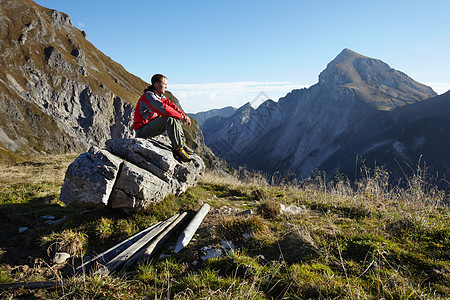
[31, 285]
[131, 250]
[147, 252]
[190, 230]
[107, 255]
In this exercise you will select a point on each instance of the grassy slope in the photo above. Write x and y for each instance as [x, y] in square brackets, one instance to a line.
[375, 242]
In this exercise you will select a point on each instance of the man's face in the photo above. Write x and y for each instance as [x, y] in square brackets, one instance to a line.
[160, 87]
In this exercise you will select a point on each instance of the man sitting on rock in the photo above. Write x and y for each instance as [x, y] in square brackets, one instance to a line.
[154, 114]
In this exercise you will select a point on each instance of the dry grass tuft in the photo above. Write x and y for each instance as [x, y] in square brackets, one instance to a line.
[70, 241]
[269, 209]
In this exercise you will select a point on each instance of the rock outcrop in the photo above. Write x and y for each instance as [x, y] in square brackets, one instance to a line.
[129, 174]
[58, 93]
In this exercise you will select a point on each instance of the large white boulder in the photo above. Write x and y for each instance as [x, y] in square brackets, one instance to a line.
[131, 174]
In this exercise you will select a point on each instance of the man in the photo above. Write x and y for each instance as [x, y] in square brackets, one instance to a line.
[154, 114]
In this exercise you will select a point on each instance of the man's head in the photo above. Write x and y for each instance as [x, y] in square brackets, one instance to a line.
[159, 83]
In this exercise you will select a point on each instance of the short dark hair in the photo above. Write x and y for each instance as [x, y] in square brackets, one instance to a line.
[157, 78]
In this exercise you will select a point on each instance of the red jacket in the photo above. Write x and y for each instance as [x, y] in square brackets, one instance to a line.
[151, 106]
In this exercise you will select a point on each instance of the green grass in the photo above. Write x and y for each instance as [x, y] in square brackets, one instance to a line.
[370, 241]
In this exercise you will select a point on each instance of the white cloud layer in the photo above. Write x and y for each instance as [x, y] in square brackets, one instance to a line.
[201, 97]
[439, 87]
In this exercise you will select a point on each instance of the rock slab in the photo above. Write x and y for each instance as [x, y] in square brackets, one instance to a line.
[130, 174]
[136, 188]
[89, 180]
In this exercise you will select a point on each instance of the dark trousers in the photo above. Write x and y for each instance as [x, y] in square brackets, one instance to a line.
[157, 126]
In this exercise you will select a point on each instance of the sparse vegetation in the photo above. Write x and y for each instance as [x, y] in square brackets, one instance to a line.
[69, 241]
[368, 240]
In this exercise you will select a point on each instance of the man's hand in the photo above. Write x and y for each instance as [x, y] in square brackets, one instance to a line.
[185, 120]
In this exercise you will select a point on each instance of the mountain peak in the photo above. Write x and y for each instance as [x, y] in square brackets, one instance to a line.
[341, 70]
[347, 53]
[346, 58]
[373, 80]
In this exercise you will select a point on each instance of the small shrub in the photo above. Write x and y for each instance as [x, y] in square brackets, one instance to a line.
[124, 228]
[234, 228]
[164, 209]
[104, 228]
[259, 194]
[5, 276]
[269, 209]
[68, 241]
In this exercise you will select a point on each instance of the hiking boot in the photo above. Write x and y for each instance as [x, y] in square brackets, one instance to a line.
[181, 155]
[188, 150]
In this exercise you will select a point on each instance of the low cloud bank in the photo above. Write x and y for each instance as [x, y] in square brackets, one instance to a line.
[201, 97]
[439, 87]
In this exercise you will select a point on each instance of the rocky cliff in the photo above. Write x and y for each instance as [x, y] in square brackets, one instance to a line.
[410, 136]
[304, 129]
[58, 93]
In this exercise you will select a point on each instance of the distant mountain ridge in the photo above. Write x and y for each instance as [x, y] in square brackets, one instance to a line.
[356, 97]
[202, 116]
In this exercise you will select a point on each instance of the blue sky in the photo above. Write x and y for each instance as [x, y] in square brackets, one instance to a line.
[219, 53]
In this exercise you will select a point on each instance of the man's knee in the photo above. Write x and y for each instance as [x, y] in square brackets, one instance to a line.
[171, 121]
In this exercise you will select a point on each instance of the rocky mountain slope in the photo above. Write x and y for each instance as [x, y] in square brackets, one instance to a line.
[307, 127]
[401, 139]
[58, 93]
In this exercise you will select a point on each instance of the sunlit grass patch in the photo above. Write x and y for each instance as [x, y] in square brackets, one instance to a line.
[5, 276]
[171, 205]
[22, 193]
[236, 227]
[97, 287]
[236, 263]
[160, 273]
[314, 281]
